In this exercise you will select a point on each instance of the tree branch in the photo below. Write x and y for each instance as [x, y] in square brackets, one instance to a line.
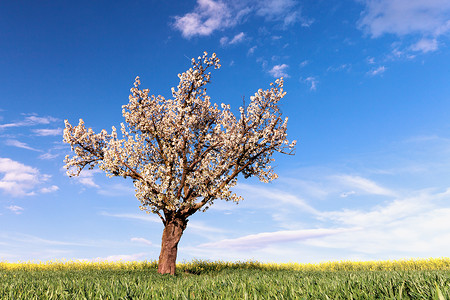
[159, 214]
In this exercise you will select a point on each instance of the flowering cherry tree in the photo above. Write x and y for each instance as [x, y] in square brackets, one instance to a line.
[184, 153]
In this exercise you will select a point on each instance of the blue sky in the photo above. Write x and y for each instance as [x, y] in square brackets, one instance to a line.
[368, 87]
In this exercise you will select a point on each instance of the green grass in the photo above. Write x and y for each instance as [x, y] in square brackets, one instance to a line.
[206, 280]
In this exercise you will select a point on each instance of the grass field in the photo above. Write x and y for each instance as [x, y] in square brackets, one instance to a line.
[405, 279]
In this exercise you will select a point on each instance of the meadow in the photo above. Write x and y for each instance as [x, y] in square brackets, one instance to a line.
[402, 279]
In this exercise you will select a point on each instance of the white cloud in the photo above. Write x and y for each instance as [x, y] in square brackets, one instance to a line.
[88, 181]
[86, 178]
[19, 179]
[428, 18]
[51, 189]
[377, 71]
[16, 209]
[403, 221]
[207, 17]
[413, 226]
[18, 144]
[402, 17]
[265, 239]
[425, 45]
[48, 132]
[213, 15]
[279, 71]
[141, 241]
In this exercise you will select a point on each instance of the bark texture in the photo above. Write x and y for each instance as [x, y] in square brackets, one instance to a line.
[172, 233]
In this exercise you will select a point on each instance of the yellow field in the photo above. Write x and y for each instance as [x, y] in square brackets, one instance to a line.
[199, 265]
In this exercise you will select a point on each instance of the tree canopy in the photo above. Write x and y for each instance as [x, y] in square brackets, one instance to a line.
[185, 152]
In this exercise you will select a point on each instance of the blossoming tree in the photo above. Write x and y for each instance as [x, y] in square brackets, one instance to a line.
[184, 153]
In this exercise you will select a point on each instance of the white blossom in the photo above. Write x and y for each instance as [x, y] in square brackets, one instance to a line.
[183, 153]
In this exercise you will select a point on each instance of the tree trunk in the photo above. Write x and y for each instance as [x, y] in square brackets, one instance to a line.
[169, 246]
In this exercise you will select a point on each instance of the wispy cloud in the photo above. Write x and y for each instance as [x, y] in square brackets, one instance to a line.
[224, 41]
[279, 71]
[30, 121]
[48, 132]
[141, 241]
[312, 81]
[364, 185]
[50, 189]
[285, 11]
[251, 50]
[140, 217]
[274, 9]
[15, 209]
[118, 190]
[277, 196]
[198, 226]
[304, 63]
[48, 155]
[425, 45]
[235, 40]
[342, 67]
[426, 139]
[347, 194]
[381, 214]
[35, 240]
[19, 144]
[408, 226]
[401, 223]
[265, 239]
[378, 71]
